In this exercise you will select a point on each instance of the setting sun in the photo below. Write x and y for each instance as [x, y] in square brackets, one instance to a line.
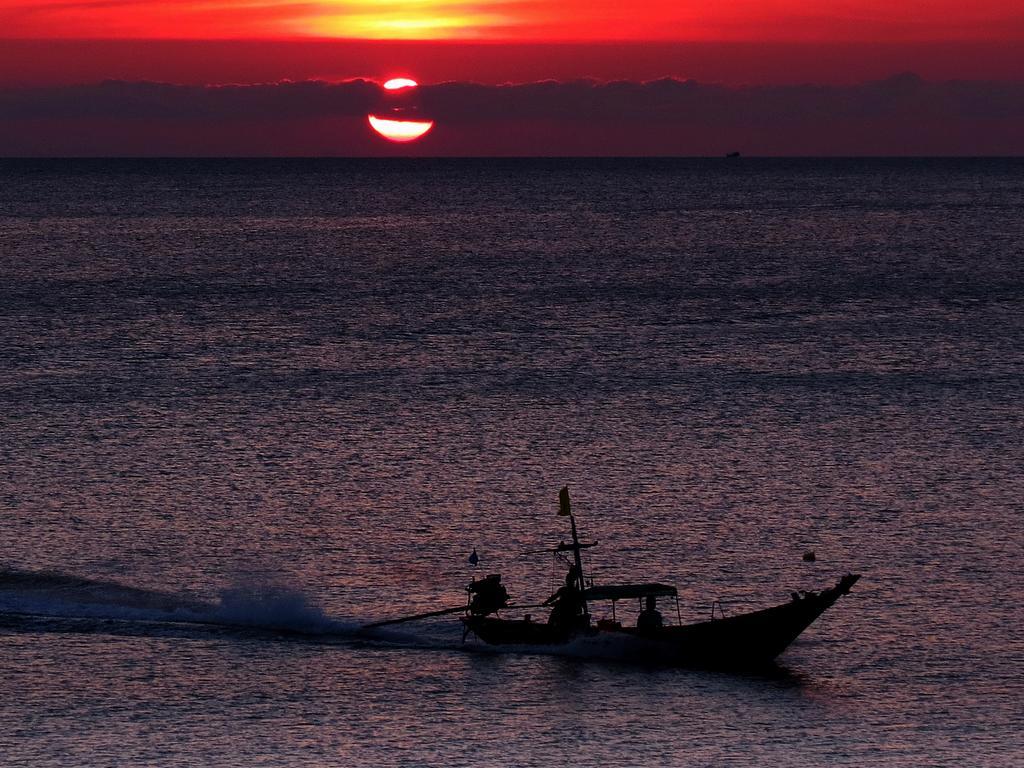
[400, 130]
[403, 122]
[398, 83]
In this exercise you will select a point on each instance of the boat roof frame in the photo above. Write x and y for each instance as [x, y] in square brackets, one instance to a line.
[615, 592]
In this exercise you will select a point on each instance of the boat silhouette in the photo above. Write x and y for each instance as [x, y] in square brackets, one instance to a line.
[745, 640]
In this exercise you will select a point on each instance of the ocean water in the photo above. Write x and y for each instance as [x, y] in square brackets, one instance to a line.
[248, 406]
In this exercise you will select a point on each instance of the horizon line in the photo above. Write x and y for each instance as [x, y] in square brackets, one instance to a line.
[458, 158]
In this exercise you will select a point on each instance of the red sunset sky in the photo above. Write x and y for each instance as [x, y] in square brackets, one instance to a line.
[518, 20]
[48, 44]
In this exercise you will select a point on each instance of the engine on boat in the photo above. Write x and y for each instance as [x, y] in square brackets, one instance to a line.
[488, 595]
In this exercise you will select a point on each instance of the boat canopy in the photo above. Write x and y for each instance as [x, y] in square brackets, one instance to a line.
[628, 591]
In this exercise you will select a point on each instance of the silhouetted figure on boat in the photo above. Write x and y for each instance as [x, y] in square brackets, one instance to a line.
[650, 617]
[568, 608]
[488, 595]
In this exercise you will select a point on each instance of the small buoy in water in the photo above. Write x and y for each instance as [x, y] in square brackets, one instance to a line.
[809, 556]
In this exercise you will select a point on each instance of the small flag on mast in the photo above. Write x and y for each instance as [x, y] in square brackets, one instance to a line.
[563, 502]
[474, 558]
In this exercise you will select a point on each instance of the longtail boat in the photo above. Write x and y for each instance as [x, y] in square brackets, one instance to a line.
[746, 640]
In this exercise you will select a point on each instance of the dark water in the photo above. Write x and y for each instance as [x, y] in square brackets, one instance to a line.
[246, 406]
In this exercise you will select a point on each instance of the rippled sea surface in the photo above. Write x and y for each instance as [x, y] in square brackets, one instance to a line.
[247, 406]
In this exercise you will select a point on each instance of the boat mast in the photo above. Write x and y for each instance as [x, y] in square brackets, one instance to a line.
[579, 562]
[565, 509]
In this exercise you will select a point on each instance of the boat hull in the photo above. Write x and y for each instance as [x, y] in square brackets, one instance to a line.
[742, 641]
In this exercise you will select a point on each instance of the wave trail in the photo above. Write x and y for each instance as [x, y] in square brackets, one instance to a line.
[59, 595]
[53, 593]
[49, 601]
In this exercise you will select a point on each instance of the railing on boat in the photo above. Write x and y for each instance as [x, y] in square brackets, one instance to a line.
[721, 609]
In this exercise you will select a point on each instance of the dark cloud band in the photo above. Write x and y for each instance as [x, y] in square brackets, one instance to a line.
[901, 115]
[672, 101]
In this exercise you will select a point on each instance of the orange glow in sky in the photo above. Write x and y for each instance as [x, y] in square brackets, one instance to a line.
[518, 20]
